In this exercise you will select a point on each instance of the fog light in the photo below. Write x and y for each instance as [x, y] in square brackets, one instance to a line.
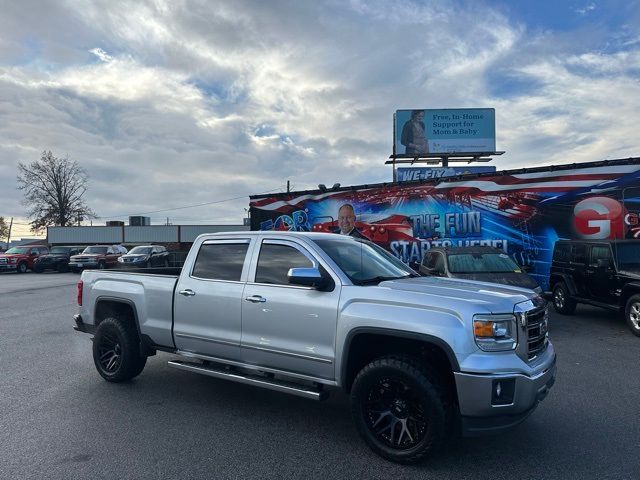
[503, 391]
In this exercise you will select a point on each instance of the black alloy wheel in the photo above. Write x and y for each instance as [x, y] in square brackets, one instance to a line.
[395, 413]
[116, 350]
[110, 353]
[402, 409]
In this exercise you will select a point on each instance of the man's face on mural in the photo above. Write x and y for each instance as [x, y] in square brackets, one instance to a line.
[346, 219]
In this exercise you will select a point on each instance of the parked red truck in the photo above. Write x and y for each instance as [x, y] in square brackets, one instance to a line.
[20, 259]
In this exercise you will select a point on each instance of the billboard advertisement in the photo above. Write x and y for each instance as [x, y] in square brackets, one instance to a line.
[520, 212]
[425, 132]
[412, 174]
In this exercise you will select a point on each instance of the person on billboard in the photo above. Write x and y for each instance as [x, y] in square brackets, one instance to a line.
[413, 136]
[347, 221]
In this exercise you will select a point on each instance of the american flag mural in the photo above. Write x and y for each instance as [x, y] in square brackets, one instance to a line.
[521, 211]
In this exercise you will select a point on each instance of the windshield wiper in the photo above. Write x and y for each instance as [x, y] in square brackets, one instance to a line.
[378, 279]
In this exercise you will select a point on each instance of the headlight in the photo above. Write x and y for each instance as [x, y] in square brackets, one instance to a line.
[12, 260]
[121, 260]
[495, 333]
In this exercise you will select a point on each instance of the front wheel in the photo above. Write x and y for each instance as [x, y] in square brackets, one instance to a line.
[399, 409]
[22, 267]
[102, 265]
[562, 301]
[116, 350]
[632, 314]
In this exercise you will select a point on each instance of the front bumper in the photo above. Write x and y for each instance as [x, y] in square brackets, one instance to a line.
[478, 408]
[8, 268]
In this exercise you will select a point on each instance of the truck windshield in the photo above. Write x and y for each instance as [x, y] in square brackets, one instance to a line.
[481, 263]
[628, 255]
[60, 250]
[17, 251]
[98, 250]
[364, 262]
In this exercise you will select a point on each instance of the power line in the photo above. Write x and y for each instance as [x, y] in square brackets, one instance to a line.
[189, 206]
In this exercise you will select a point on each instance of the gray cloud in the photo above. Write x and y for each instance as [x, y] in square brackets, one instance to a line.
[179, 103]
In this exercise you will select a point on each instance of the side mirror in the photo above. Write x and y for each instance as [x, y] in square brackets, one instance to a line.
[308, 277]
[525, 268]
[603, 263]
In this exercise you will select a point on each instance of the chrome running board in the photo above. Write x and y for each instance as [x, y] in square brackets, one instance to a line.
[258, 381]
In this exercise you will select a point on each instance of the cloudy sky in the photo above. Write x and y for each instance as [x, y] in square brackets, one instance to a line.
[168, 104]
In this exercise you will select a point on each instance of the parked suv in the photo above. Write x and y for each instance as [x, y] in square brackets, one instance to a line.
[601, 273]
[20, 259]
[97, 256]
[56, 259]
[145, 256]
[485, 264]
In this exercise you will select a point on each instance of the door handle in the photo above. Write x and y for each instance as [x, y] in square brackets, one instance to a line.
[255, 299]
[187, 293]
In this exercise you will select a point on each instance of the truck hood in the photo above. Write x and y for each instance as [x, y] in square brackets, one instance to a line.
[88, 255]
[480, 297]
[635, 274]
[12, 255]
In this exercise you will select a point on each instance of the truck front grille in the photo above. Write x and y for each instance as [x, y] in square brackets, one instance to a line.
[3, 261]
[537, 327]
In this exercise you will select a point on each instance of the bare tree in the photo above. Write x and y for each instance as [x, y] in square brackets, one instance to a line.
[53, 190]
[4, 230]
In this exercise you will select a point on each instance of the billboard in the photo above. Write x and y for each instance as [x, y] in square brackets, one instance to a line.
[425, 132]
[411, 174]
[520, 212]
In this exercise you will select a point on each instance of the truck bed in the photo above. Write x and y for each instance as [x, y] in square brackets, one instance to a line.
[149, 290]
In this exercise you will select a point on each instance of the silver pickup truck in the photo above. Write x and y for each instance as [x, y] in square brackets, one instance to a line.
[305, 313]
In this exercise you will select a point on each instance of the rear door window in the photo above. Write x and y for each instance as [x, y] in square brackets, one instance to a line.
[579, 254]
[221, 261]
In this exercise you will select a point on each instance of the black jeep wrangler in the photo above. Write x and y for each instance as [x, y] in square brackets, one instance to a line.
[599, 272]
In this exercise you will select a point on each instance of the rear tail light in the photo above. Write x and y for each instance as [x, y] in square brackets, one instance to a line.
[80, 285]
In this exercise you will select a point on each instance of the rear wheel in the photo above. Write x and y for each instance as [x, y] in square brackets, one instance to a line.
[562, 301]
[400, 408]
[632, 314]
[116, 350]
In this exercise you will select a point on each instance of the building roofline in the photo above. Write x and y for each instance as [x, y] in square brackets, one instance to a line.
[517, 171]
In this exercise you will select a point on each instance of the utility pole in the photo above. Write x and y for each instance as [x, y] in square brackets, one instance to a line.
[288, 190]
[9, 237]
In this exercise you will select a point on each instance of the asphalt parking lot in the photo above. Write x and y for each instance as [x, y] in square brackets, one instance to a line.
[59, 419]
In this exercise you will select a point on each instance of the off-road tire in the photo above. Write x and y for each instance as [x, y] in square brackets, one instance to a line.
[424, 387]
[116, 340]
[22, 267]
[62, 267]
[562, 301]
[75, 269]
[38, 269]
[632, 314]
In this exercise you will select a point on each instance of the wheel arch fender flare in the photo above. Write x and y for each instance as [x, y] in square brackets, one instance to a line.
[146, 345]
[427, 339]
[563, 277]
